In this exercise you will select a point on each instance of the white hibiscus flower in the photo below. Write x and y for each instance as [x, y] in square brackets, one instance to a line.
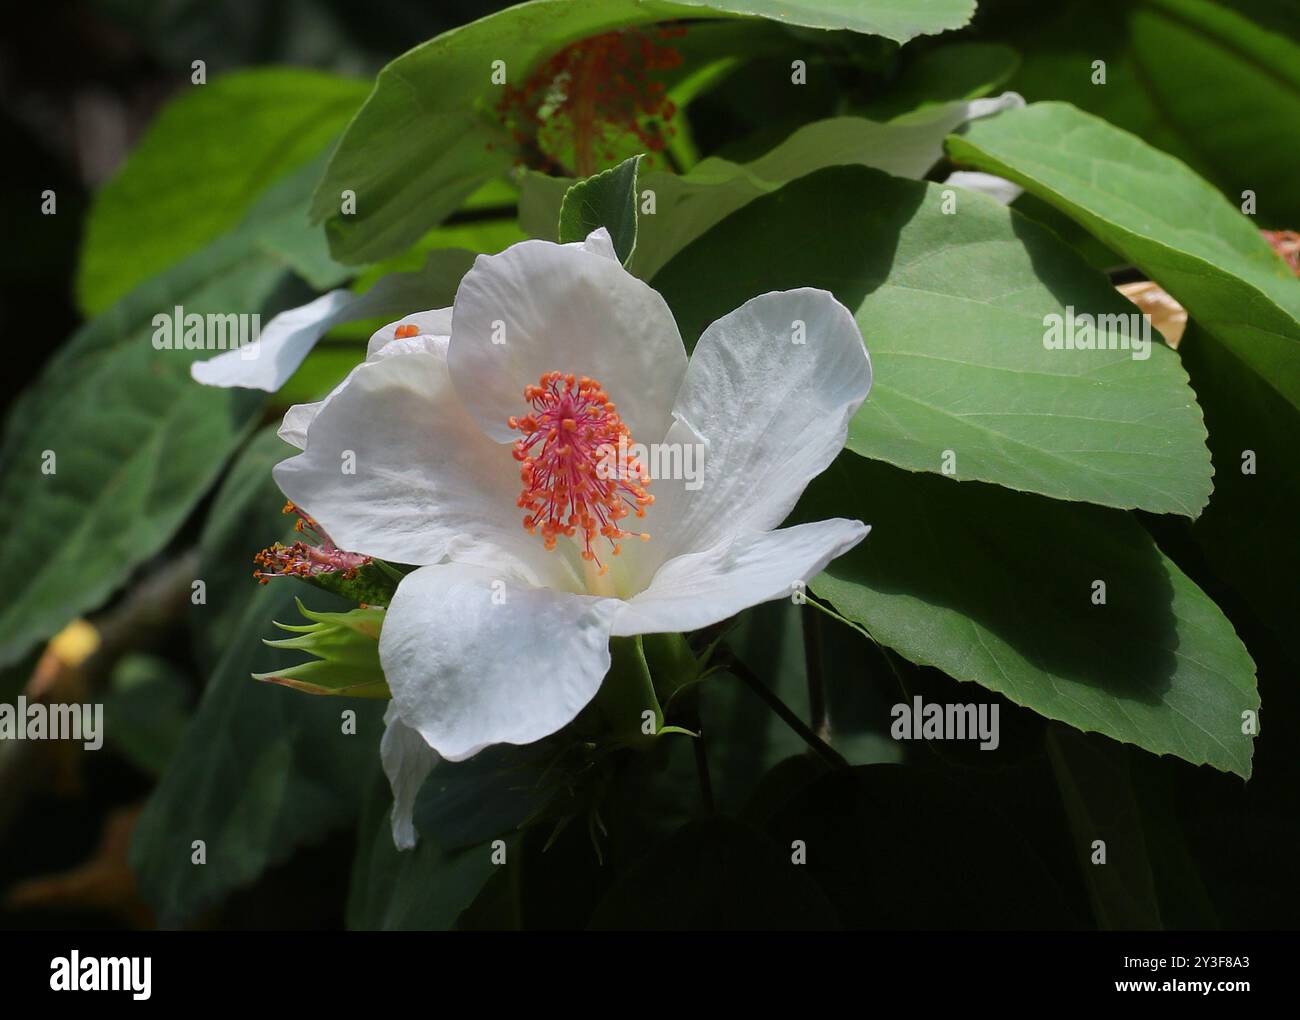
[468, 444]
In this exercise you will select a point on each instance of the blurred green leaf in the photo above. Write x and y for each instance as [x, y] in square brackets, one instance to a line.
[953, 311]
[146, 710]
[199, 169]
[136, 442]
[261, 770]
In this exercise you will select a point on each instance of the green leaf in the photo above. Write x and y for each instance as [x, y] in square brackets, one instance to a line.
[428, 135]
[608, 199]
[185, 183]
[136, 444]
[261, 770]
[1156, 212]
[715, 874]
[146, 710]
[424, 889]
[889, 18]
[953, 310]
[687, 205]
[998, 588]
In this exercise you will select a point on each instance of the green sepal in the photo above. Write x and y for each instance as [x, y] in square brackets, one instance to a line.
[346, 646]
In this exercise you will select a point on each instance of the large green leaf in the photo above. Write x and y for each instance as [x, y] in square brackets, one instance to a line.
[998, 588]
[185, 183]
[1156, 212]
[136, 443]
[428, 135]
[687, 205]
[890, 18]
[952, 308]
[261, 770]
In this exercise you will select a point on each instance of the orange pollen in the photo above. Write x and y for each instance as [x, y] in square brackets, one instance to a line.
[402, 332]
[578, 480]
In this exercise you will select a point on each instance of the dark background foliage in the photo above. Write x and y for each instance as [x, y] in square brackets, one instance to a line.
[961, 843]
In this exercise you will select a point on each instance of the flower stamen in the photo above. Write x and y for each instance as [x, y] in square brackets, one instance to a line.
[578, 481]
[317, 555]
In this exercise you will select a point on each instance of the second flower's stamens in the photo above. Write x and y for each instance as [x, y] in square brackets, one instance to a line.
[317, 555]
[403, 331]
[578, 481]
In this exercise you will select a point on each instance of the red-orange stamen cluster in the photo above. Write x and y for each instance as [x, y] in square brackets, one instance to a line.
[317, 555]
[589, 97]
[578, 478]
[404, 331]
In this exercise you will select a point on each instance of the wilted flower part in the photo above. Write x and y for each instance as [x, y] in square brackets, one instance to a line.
[315, 554]
[1287, 244]
[495, 638]
[591, 97]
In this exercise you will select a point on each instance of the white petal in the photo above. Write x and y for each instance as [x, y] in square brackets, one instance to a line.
[284, 342]
[424, 475]
[995, 187]
[555, 307]
[977, 109]
[293, 429]
[407, 762]
[599, 242]
[773, 413]
[698, 589]
[474, 657]
[435, 322]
